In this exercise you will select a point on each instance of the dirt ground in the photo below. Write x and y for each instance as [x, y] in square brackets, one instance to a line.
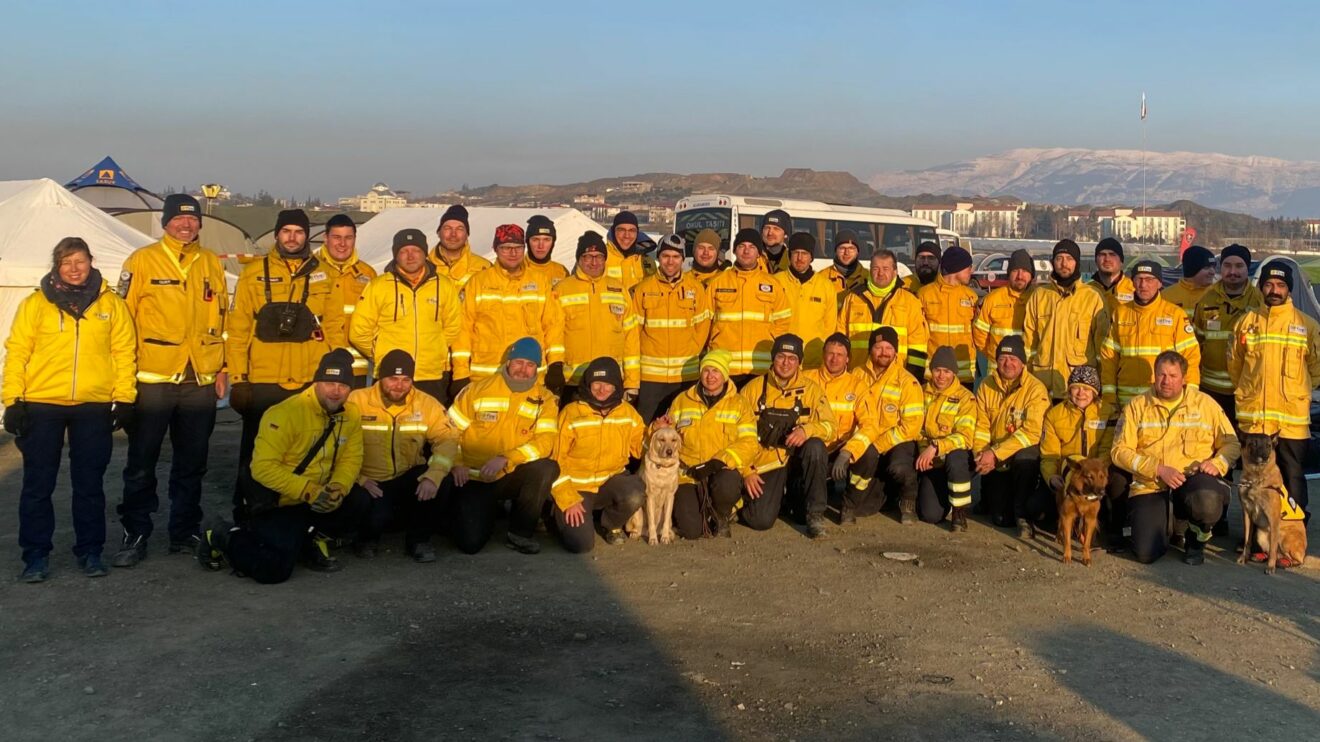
[765, 636]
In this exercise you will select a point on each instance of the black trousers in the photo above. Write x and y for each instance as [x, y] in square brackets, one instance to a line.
[1015, 492]
[398, 505]
[944, 486]
[187, 413]
[654, 398]
[879, 479]
[804, 474]
[1289, 454]
[474, 505]
[1114, 515]
[264, 397]
[268, 545]
[617, 499]
[90, 443]
[438, 388]
[1200, 501]
[725, 487]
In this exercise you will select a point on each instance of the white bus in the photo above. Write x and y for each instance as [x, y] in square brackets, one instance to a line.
[889, 228]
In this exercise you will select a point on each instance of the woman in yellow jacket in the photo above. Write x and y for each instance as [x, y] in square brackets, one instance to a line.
[70, 365]
[1082, 427]
[944, 464]
[598, 434]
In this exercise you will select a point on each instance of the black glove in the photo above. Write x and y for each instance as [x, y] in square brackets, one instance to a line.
[240, 397]
[840, 471]
[456, 386]
[708, 469]
[16, 419]
[554, 378]
[123, 415]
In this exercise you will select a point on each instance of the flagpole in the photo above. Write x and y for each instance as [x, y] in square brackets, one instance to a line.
[1143, 157]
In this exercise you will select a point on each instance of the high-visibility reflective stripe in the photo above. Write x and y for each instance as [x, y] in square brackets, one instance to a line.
[721, 316]
[1267, 339]
[960, 486]
[670, 324]
[349, 308]
[747, 430]
[459, 420]
[437, 460]
[515, 299]
[1142, 351]
[1021, 438]
[146, 377]
[589, 423]
[1269, 416]
[490, 404]
[951, 329]
[529, 452]
[411, 428]
[375, 426]
[546, 426]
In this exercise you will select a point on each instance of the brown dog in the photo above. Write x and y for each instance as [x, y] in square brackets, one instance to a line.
[1083, 488]
[1264, 502]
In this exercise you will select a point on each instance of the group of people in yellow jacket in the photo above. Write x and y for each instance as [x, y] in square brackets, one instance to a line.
[780, 378]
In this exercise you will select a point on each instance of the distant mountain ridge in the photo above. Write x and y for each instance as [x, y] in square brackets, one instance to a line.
[1262, 186]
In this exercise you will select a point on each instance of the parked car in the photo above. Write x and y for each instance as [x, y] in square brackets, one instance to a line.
[993, 272]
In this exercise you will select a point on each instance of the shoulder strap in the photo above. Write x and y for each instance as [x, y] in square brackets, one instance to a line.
[316, 448]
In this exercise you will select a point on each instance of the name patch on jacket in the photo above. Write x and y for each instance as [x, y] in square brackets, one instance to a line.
[1164, 321]
[271, 279]
[368, 418]
[529, 287]
[317, 276]
[1297, 329]
[165, 282]
[489, 417]
[728, 291]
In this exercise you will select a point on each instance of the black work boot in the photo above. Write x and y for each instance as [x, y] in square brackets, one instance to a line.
[958, 519]
[816, 526]
[1194, 550]
[211, 546]
[1026, 531]
[132, 550]
[907, 511]
[317, 557]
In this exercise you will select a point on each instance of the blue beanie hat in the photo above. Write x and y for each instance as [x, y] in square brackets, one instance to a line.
[526, 349]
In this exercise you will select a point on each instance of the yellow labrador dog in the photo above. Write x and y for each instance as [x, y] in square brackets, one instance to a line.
[660, 473]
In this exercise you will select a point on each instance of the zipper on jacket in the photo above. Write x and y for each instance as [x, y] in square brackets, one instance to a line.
[77, 336]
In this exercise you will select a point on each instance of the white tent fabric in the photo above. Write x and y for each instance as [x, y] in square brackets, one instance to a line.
[33, 221]
[11, 187]
[376, 237]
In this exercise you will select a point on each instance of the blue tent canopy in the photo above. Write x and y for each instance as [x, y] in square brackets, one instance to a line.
[105, 173]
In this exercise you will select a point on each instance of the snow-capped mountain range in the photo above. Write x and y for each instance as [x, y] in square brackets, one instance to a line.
[1262, 186]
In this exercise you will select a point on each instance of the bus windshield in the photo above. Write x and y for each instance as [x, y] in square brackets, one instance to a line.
[689, 223]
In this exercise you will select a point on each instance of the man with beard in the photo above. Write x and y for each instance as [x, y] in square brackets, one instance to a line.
[812, 296]
[453, 256]
[340, 252]
[751, 309]
[286, 316]
[1065, 322]
[708, 256]
[1216, 313]
[626, 259]
[674, 324]
[1108, 276]
[949, 307]
[776, 226]
[1274, 363]
[1140, 330]
[926, 266]
[541, 236]
[843, 274]
[1010, 411]
[1004, 309]
[1198, 268]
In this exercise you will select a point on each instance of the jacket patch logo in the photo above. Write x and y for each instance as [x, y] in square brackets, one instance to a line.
[529, 287]
[1096, 424]
[103, 316]
[616, 309]
[364, 279]
[965, 302]
[317, 276]
[1164, 322]
[1297, 329]
[890, 408]
[1187, 328]
[689, 294]
[489, 417]
[849, 397]
[766, 288]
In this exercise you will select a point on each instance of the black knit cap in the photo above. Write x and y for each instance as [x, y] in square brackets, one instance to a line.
[341, 220]
[590, 241]
[397, 362]
[944, 358]
[1235, 251]
[457, 212]
[840, 339]
[1149, 268]
[930, 248]
[887, 334]
[292, 218]
[846, 237]
[337, 365]
[1196, 259]
[406, 237]
[787, 343]
[1276, 269]
[802, 241]
[1067, 247]
[179, 204]
[624, 217]
[778, 218]
[1012, 345]
[1111, 244]
[749, 235]
[540, 225]
[955, 259]
[604, 369]
[1021, 260]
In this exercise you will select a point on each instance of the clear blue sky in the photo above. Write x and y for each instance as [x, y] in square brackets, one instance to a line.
[327, 98]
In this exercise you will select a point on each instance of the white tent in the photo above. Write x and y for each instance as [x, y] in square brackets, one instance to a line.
[376, 237]
[33, 220]
[11, 187]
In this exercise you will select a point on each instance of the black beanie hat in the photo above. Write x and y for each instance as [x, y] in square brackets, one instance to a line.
[749, 235]
[885, 333]
[406, 237]
[590, 241]
[1067, 247]
[932, 248]
[457, 212]
[1111, 244]
[540, 224]
[846, 237]
[341, 220]
[1021, 260]
[1013, 346]
[672, 243]
[337, 365]
[1276, 269]
[787, 343]
[955, 259]
[1235, 251]
[624, 217]
[1148, 267]
[1196, 259]
[397, 362]
[778, 218]
[840, 339]
[294, 218]
[604, 369]
[944, 358]
[802, 241]
[179, 204]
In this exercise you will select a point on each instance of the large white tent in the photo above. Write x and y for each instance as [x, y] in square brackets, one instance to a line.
[377, 236]
[12, 187]
[33, 220]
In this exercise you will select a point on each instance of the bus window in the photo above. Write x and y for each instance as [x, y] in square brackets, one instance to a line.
[688, 223]
[898, 238]
[865, 237]
[928, 234]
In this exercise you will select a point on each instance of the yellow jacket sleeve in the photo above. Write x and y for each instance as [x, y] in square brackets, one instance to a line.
[1030, 325]
[238, 334]
[333, 319]
[365, 320]
[542, 444]
[1124, 453]
[269, 469]
[1227, 447]
[821, 423]
[1109, 358]
[18, 350]
[564, 493]
[911, 414]
[443, 437]
[349, 462]
[1313, 353]
[632, 346]
[964, 430]
[552, 328]
[1185, 342]
[918, 340]
[451, 314]
[1051, 450]
[1029, 432]
[123, 351]
[742, 452]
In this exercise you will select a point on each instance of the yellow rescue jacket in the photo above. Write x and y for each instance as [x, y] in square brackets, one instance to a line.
[814, 413]
[867, 309]
[1178, 434]
[913, 283]
[354, 275]
[1213, 321]
[599, 321]
[1185, 295]
[674, 319]
[843, 284]
[1120, 292]
[1071, 434]
[949, 422]
[500, 307]
[815, 312]
[53, 358]
[555, 272]
[493, 420]
[949, 310]
[751, 309]
[461, 270]
[291, 365]
[630, 269]
[1062, 329]
[843, 392]
[1137, 335]
[724, 431]
[1274, 363]
[774, 265]
[393, 436]
[289, 430]
[178, 298]
[889, 413]
[425, 320]
[592, 447]
[1009, 416]
[1003, 312]
[708, 276]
